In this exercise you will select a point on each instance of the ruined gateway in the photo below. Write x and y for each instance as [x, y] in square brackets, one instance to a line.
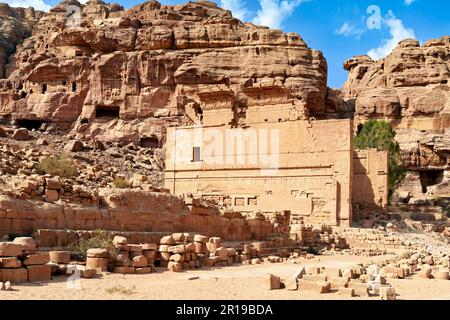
[138, 76]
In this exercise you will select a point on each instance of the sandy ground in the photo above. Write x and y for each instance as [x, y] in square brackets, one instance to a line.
[230, 283]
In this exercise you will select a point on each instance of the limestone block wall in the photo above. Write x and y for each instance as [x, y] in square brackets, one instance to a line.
[312, 176]
[129, 211]
[370, 181]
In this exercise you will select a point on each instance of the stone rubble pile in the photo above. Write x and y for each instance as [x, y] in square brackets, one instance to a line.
[128, 259]
[353, 282]
[97, 165]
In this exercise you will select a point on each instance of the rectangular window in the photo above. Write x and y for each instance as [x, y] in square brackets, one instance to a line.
[196, 154]
[239, 202]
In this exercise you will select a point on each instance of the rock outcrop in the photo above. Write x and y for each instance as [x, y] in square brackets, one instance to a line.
[15, 25]
[410, 88]
[123, 74]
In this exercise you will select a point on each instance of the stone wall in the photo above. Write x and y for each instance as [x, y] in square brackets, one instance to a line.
[370, 182]
[130, 211]
[310, 178]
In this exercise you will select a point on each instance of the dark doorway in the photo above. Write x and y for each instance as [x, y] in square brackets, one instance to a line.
[430, 178]
[44, 88]
[196, 154]
[107, 112]
[30, 124]
[149, 142]
[74, 86]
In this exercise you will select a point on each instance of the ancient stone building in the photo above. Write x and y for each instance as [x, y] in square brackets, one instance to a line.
[306, 167]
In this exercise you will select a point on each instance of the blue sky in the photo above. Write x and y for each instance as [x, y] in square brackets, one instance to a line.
[339, 28]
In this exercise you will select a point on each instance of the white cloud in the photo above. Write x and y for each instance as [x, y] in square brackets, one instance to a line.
[84, 1]
[237, 7]
[398, 33]
[408, 2]
[348, 29]
[36, 4]
[274, 12]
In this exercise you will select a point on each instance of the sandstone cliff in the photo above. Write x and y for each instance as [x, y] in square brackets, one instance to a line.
[15, 25]
[113, 73]
[410, 88]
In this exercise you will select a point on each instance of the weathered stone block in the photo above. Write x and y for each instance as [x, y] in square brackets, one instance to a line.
[10, 249]
[36, 259]
[316, 286]
[124, 270]
[175, 266]
[14, 275]
[60, 257]
[272, 282]
[101, 263]
[10, 263]
[39, 273]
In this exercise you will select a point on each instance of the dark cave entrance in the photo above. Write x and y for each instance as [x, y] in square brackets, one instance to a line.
[430, 178]
[149, 142]
[30, 124]
[107, 112]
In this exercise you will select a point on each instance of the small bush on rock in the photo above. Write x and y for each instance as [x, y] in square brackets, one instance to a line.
[61, 166]
[100, 239]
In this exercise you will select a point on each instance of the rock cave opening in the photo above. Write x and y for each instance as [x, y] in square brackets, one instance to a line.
[107, 112]
[30, 124]
[430, 178]
[44, 88]
[149, 142]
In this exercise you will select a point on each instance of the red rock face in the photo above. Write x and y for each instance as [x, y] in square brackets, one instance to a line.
[15, 25]
[410, 88]
[155, 61]
[412, 81]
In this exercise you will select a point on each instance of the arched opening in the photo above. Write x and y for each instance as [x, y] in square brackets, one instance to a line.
[44, 88]
[149, 142]
[74, 86]
[430, 178]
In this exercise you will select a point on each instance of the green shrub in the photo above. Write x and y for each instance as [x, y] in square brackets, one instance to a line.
[100, 239]
[379, 135]
[122, 183]
[61, 166]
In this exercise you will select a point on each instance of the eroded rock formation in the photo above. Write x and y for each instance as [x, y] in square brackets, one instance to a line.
[15, 25]
[103, 72]
[410, 88]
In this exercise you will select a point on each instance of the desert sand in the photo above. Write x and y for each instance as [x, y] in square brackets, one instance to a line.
[232, 283]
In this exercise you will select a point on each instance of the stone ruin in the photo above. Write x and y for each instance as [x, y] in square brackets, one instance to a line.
[113, 89]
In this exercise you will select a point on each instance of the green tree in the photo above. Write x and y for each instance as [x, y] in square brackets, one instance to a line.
[379, 135]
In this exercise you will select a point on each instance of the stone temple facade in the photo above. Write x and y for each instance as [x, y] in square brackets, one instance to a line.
[283, 164]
